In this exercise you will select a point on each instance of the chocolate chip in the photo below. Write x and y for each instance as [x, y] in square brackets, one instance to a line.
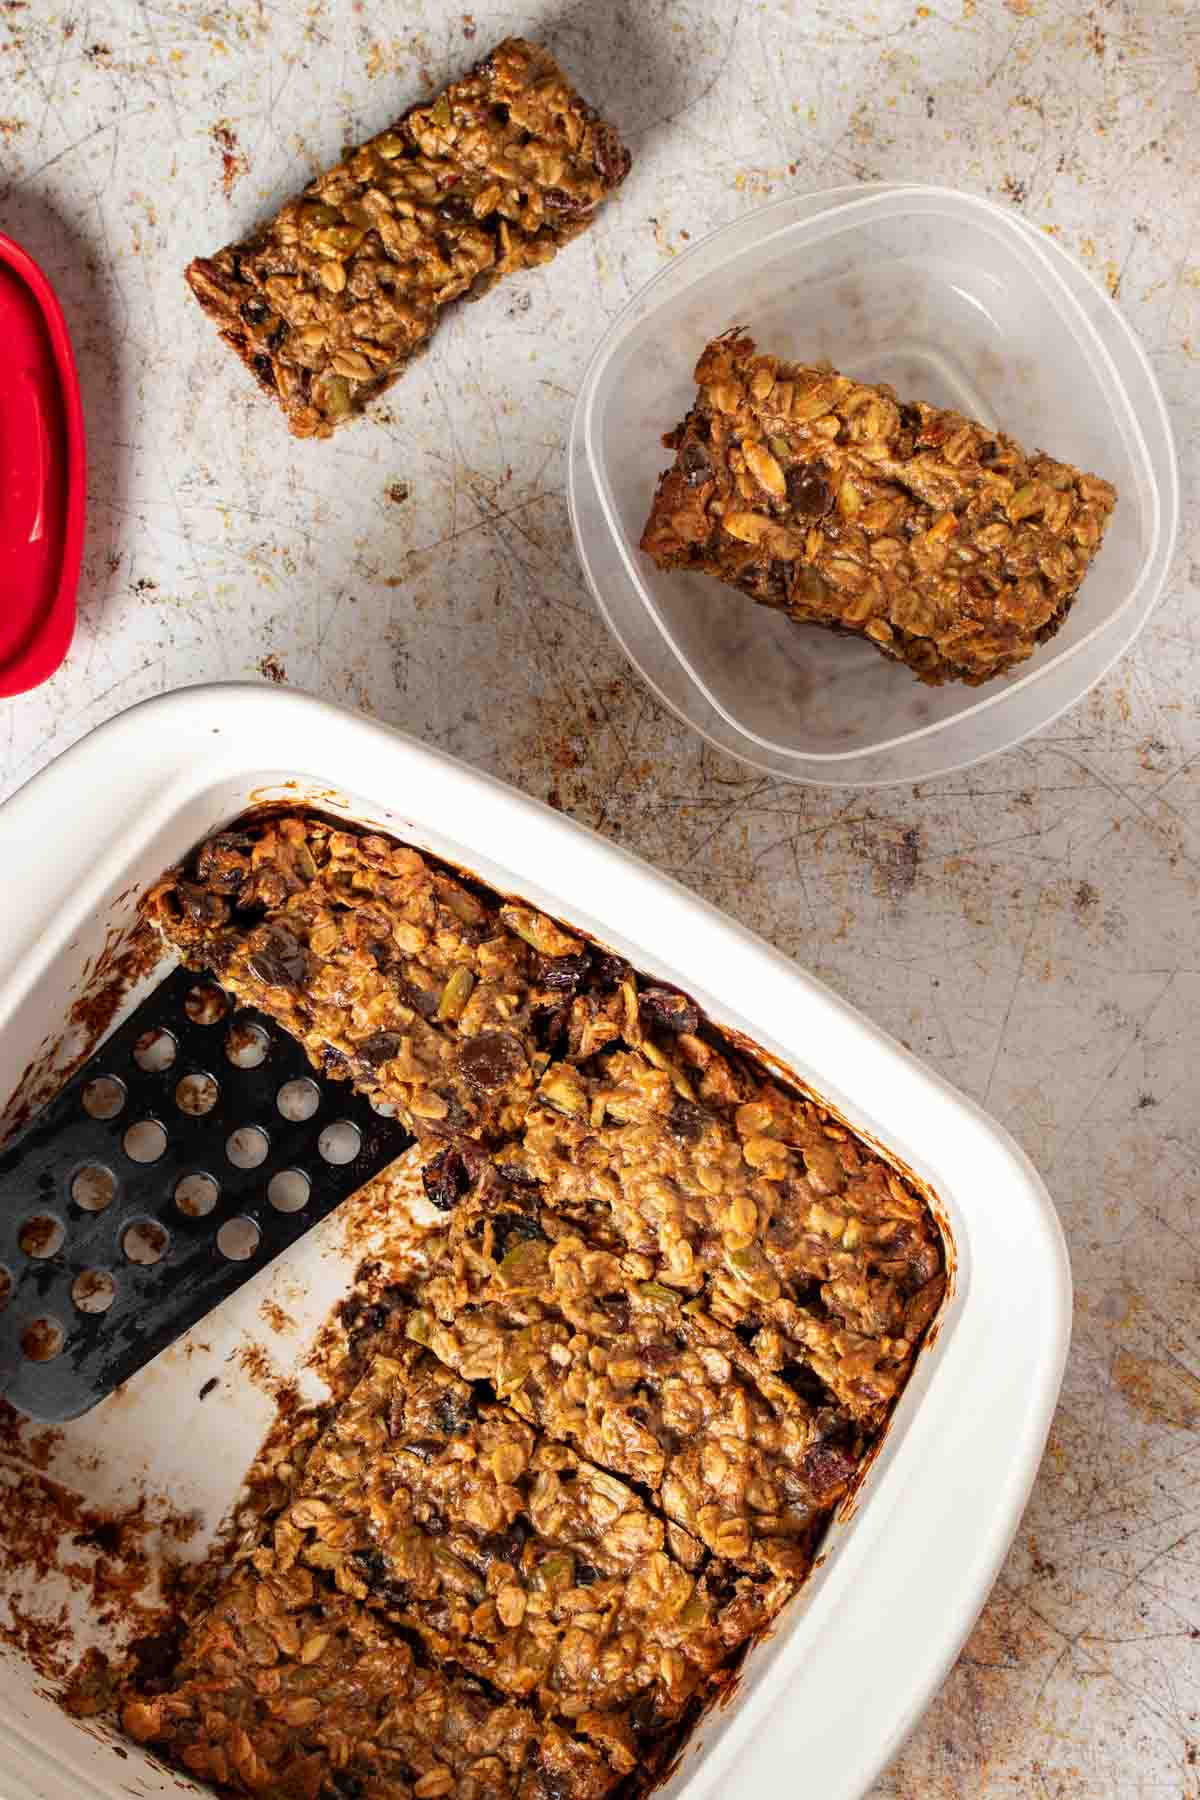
[665, 1008]
[809, 493]
[446, 1179]
[381, 1048]
[492, 1059]
[506, 1546]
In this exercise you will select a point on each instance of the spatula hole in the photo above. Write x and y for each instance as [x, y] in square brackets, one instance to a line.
[205, 1004]
[145, 1142]
[42, 1339]
[288, 1191]
[298, 1100]
[104, 1097]
[247, 1045]
[41, 1235]
[93, 1187]
[247, 1147]
[340, 1142]
[238, 1239]
[385, 1108]
[196, 1095]
[94, 1291]
[196, 1195]
[155, 1051]
[144, 1242]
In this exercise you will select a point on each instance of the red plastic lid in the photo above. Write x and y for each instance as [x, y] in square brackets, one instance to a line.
[43, 472]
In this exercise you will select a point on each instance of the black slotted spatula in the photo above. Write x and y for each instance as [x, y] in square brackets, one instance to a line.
[188, 1152]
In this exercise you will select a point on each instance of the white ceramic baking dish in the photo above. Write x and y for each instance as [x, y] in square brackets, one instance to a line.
[826, 1699]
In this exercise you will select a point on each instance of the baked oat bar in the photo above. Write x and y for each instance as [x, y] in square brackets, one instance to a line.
[388, 970]
[327, 301]
[661, 1393]
[287, 1690]
[945, 544]
[751, 1199]
[515, 1559]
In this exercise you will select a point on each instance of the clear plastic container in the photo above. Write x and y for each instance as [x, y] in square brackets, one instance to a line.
[953, 301]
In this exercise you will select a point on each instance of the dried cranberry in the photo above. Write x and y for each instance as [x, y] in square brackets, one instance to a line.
[492, 1059]
[666, 1008]
[446, 1179]
[809, 493]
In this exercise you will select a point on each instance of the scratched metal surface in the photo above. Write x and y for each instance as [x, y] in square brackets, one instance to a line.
[1030, 928]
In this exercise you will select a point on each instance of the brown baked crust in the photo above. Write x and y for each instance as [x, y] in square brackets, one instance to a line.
[943, 543]
[327, 301]
[289, 1690]
[507, 1554]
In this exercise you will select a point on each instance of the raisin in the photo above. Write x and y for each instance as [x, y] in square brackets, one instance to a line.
[585, 1574]
[434, 1522]
[665, 1007]
[254, 312]
[372, 1566]
[509, 1228]
[828, 1466]
[506, 1546]
[564, 973]
[279, 960]
[264, 368]
[609, 972]
[453, 1412]
[492, 1059]
[805, 1383]
[446, 1179]
[686, 1121]
[347, 1786]
[559, 201]
[424, 1449]
[616, 1310]
[201, 906]
[910, 419]
[696, 463]
[548, 1027]
[610, 156]
[381, 1048]
[988, 452]
[809, 493]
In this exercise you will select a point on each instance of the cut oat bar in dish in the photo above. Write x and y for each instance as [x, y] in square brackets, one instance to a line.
[750, 1195]
[388, 970]
[942, 542]
[662, 1394]
[288, 1690]
[327, 301]
[515, 1559]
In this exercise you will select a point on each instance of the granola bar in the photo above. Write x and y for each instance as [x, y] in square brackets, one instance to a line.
[515, 1559]
[289, 1691]
[387, 970]
[943, 543]
[660, 1393]
[327, 301]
